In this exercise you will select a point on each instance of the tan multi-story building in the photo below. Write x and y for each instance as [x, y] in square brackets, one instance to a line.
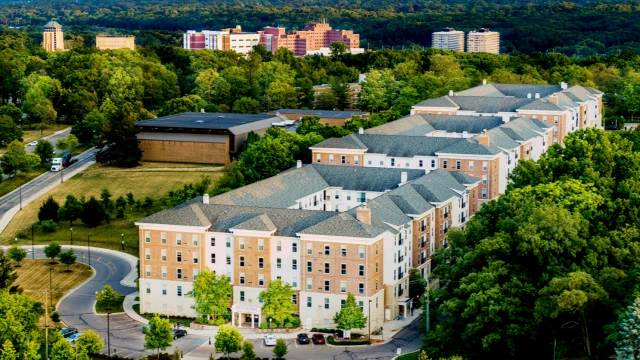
[53, 37]
[226, 39]
[483, 40]
[319, 91]
[448, 39]
[313, 38]
[106, 42]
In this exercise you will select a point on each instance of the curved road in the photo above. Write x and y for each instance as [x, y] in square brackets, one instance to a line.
[77, 308]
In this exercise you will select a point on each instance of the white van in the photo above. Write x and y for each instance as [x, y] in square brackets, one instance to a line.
[56, 164]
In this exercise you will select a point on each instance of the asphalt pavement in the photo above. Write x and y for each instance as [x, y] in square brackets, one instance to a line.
[77, 309]
[53, 139]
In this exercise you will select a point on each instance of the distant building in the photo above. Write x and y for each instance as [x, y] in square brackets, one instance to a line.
[226, 39]
[53, 37]
[105, 42]
[448, 39]
[483, 40]
[315, 38]
[319, 90]
[327, 117]
[207, 138]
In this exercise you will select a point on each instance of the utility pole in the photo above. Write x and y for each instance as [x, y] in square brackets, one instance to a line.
[428, 305]
[50, 287]
[33, 250]
[369, 321]
[89, 249]
[46, 331]
[108, 335]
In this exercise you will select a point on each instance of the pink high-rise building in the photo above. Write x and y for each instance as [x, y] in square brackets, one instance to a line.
[312, 38]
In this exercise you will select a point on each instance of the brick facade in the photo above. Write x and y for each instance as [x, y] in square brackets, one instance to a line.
[187, 152]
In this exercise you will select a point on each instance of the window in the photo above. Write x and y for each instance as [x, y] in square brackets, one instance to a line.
[381, 162]
[360, 270]
[343, 159]
[294, 298]
[241, 244]
[348, 196]
[327, 285]
[361, 304]
[406, 164]
[309, 266]
[393, 162]
[228, 242]
[294, 282]
[360, 288]
[330, 159]
[309, 283]
[343, 250]
[420, 164]
[433, 164]
[327, 250]
[484, 179]
[376, 267]
[147, 236]
[279, 245]
[294, 264]
[470, 165]
[484, 193]
[260, 244]
[327, 268]
[260, 263]
[148, 288]
[213, 258]
[309, 249]
[164, 289]
[195, 274]
[178, 239]
[241, 261]
[179, 290]
[555, 119]
[213, 242]
[229, 259]
[179, 256]
[147, 254]
[195, 257]
[242, 277]
[484, 165]
[376, 249]
[163, 255]
[294, 247]
[555, 131]
[343, 286]
[241, 296]
[260, 280]
[445, 163]
[164, 272]
[326, 303]
[147, 270]
[195, 240]
[163, 238]
[179, 274]
[343, 269]
[458, 164]
[355, 160]
[361, 252]
[343, 302]
[309, 302]
[279, 263]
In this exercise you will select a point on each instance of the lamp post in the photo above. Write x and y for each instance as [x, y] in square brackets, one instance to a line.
[108, 335]
[89, 249]
[122, 242]
[33, 251]
[369, 321]
[71, 236]
[50, 287]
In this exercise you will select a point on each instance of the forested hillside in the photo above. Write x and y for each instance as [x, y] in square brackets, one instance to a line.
[574, 28]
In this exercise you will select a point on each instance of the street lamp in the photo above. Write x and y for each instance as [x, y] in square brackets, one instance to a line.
[369, 321]
[89, 249]
[122, 242]
[33, 251]
[71, 236]
[50, 287]
[108, 335]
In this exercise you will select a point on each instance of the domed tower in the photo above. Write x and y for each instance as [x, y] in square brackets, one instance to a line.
[53, 36]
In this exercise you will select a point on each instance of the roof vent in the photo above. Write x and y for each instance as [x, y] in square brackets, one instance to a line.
[201, 111]
[361, 131]
[199, 121]
[537, 95]
[450, 92]
[205, 198]
[529, 96]
[298, 164]
[484, 81]
[563, 85]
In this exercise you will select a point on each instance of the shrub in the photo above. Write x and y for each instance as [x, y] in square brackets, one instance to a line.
[333, 341]
[220, 321]
[295, 322]
[273, 325]
[264, 326]
[55, 317]
[49, 226]
[288, 325]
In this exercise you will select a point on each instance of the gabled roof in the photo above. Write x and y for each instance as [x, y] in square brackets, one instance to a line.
[470, 146]
[438, 186]
[259, 222]
[187, 214]
[384, 211]
[540, 104]
[488, 90]
[517, 131]
[345, 142]
[464, 179]
[405, 146]
[443, 101]
[593, 91]
[462, 123]
[362, 178]
[344, 224]
[412, 125]
[490, 105]
[500, 139]
[580, 92]
[53, 24]
[523, 90]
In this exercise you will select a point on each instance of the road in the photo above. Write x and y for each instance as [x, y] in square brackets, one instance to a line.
[43, 181]
[53, 139]
[76, 310]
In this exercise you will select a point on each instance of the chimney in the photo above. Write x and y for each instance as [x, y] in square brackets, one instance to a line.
[205, 198]
[529, 96]
[483, 138]
[201, 111]
[361, 131]
[553, 99]
[298, 164]
[363, 214]
[465, 134]
[563, 85]
[484, 81]
[403, 178]
[537, 95]
[450, 92]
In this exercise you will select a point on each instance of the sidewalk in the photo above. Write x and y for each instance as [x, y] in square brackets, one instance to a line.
[392, 327]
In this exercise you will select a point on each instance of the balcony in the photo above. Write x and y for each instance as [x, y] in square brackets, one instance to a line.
[401, 258]
[400, 276]
[446, 214]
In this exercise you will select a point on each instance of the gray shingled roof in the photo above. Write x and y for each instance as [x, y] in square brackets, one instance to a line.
[260, 222]
[361, 178]
[405, 146]
[463, 178]
[345, 142]
[488, 90]
[519, 131]
[490, 105]
[536, 125]
[53, 24]
[522, 90]
[541, 123]
[443, 101]
[500, 139]
[384, 211]
[469, 146]
[412, 125]
[580, 92]
[593, 91]
[344, 224]
[438, 186]
[540, 104]
[461, 123]
[187, 214]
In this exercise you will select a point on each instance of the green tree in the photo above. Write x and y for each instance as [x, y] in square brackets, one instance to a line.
[53, 250]
[15, 159]
[90, 342]
[210, 294]
[628, 346]
[417, 284]
[68, 258]
[105, 200]
[248, 353]
[304, 93]
[277, 301]
[49, 210]
[45, 151]
[177, 354]
[350, 316]
[19, 316]
[9, 131]
[246, 105]
[280, 350]
[189, 103]
[16, 253]
[119, 139]
[62, 350]
[71, 210]
[108, 296]
[11, 111]
[228, 340]
[8, 351]
[68, 142]
[337, 49]
[341, 92]
[7, 272]
[282, 95]
[158, 336]
[265, 158]
[93, 212]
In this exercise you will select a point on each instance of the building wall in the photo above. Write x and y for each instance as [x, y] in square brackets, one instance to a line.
[322, 120]
[53, 40]
[115, 42]
[328, 158]
[488, 42]
[442, 224]
[560, 121]
[453, 40]
[188, 152]
[251, 254]
[489, 178]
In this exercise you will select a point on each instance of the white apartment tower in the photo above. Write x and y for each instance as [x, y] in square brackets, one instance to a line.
[448, 39]
[483, 40]
[53, 37]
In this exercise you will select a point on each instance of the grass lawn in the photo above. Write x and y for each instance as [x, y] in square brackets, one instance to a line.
[102, 308]
[90, 183]
[410, 356]
[33, 135]
[8, 185]
[184, 322]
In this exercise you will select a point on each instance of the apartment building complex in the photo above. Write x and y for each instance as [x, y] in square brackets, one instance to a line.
[326, 230]
[313, 38]
[53, 37]
[105, 42]
[483, 40]
[226, 39]
[448, 39]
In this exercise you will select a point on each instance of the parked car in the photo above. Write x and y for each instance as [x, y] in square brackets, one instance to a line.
[66, 332]
[73, 337]
[179, 333]
[67, 159]
[318, 339]
[270, 340]
[303, 339]
[33, 143]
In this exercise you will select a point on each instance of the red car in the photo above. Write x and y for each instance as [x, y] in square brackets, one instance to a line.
[317, 339]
